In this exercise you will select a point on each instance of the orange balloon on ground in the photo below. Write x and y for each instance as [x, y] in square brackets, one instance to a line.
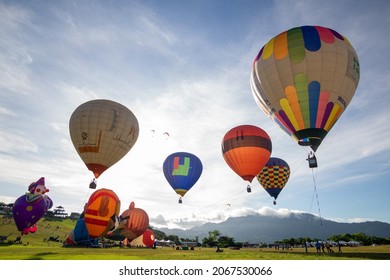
[246, 149]
[100, 212]
[135, 221]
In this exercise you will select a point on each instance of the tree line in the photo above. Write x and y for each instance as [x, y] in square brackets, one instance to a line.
[216, 239]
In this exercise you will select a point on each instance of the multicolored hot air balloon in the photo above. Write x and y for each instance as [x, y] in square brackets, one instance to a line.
[103, 132]
[274, 176]
[79, 236]
[182, 170]
[304, 79]
[246, 149]
[29, 208]
[101, 212]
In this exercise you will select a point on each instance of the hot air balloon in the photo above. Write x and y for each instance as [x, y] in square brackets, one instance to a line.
[147, 239]
[103, 132]
[101, 212]
[246, 149]
[132, 223]
[274, 176]
[79, 236]
[304, 79]
[29, 208]
[182, 170]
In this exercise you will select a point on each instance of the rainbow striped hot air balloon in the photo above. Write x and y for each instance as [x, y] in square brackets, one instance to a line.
[304, 79]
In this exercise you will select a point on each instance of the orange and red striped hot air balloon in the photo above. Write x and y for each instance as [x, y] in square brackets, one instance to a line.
[100, 212]
[246, 149]
[135, 221]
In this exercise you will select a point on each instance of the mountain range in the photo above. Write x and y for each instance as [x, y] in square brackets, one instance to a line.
[268, 229]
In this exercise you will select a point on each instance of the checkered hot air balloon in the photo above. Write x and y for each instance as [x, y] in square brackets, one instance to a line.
[274, 176]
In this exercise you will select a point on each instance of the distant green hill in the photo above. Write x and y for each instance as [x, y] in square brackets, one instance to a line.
[52, 228]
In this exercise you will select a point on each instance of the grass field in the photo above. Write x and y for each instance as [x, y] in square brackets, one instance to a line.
[37, 247]
[55, 252]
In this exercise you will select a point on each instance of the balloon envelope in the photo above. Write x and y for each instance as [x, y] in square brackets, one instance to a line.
[27, 214]
[103, 132]
[182, 170]
[274, 176]
[304, 79]
[145, 240]
[29, 208]
[135, 221]
[100, 212]
[246, 149]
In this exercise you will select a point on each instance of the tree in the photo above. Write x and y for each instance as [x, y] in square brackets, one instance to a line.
[212, 240]
[174, 238]
[225, 241]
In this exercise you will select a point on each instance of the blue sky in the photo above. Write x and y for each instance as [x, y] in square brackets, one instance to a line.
[183, 67]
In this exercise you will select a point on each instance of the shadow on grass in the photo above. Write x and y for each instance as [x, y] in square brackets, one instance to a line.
[40, 256]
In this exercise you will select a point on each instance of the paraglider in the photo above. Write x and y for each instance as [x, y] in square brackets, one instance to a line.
[246, 149]
[274, 176]
[101, 212]
[182, 170]
[304, 79]
[102, 132]
[29, 208]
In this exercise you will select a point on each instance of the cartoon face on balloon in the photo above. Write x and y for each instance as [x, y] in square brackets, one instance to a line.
[29, 208]
[135, 222]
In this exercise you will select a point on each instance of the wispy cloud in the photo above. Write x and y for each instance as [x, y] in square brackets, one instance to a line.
[190, 82]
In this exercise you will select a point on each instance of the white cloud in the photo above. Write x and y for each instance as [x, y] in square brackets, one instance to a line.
[179, 80]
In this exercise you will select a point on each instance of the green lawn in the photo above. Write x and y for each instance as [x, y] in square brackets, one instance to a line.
[37, 247]
[55, 252]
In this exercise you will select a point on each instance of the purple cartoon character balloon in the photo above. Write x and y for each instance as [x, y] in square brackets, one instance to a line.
[31, 207]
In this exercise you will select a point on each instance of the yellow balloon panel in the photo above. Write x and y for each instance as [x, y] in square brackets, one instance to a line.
[103, 132]
[304, 79]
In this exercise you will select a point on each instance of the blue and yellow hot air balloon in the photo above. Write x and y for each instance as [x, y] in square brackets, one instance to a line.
[274, 176]
[182, 170]
[304, 79]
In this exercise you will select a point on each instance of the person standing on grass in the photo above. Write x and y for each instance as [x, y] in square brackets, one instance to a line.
[318, 246]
